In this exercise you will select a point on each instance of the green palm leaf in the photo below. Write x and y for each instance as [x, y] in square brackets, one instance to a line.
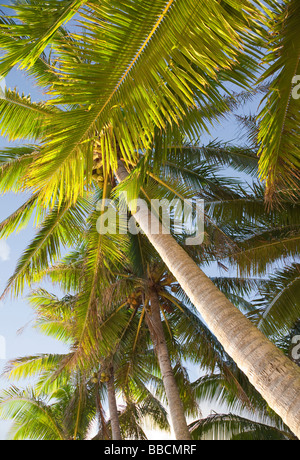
[33, 366]
[172, 38]
[14, 163]
[280, 120]
[22, 119]
[233, 427]
[280, 299]
[37, 23]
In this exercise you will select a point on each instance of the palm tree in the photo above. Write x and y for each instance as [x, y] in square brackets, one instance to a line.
[152, 313]
[242, 341]
[276, 312]
[246, 201]
[156, 286]
[199, 176]
[188, 65]
[68, 276]
[147, 298]
[57, 318]
[259, 423]
[235, 390]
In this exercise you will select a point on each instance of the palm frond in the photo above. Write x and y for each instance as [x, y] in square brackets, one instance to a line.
[60, 227]
[173, 38]
[219, 427]
[31, 366]
[14, 163]
[22, 407]
[22, 119]
[37, 23]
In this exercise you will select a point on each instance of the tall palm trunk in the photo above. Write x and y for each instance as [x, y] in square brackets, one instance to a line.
[113, 408]
[158, 337]
[275, 376]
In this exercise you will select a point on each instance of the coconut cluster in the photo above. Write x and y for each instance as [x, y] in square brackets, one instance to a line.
[98, 175]
[103, 378]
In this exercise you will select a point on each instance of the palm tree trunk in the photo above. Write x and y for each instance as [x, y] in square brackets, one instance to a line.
[274, 375]
[158, 338]
[103, 432]
[113, 408]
